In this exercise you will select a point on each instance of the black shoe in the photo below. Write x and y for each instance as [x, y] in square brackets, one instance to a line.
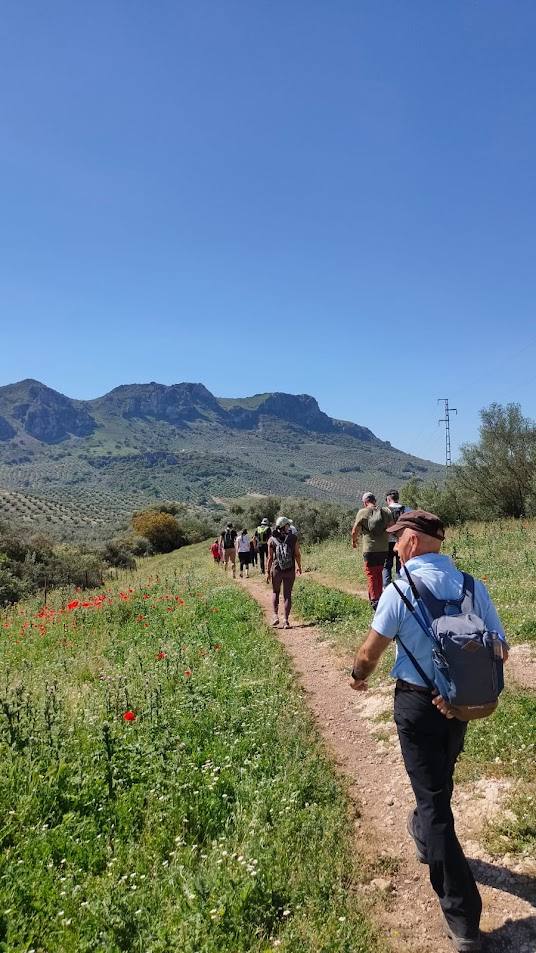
[464, 945]
[420, 854]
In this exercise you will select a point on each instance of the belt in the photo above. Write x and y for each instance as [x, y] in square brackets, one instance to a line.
[410, 687]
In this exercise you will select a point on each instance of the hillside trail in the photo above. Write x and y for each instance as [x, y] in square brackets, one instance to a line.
[367, 754]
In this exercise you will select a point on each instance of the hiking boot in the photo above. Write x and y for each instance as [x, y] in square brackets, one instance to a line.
[286, 624]
[419, 853]
[275, 620]
[464, 945]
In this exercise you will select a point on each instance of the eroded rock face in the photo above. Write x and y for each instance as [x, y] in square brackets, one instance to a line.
[44, 413]
[175, 404]
[6, 430]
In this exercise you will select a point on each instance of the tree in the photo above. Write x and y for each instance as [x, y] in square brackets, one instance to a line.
[161, 529]
[497, 476]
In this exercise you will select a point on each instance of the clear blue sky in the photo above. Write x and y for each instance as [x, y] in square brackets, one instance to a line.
[273, 196]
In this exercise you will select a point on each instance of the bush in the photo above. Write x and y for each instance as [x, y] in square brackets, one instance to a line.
[30, 565]
[161, 529]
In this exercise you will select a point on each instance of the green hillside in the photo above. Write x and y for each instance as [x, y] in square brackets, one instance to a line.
[144, 442]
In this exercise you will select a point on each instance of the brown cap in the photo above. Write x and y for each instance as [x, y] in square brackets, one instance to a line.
[421, 522]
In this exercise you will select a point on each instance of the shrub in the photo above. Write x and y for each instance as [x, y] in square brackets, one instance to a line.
[161, 529]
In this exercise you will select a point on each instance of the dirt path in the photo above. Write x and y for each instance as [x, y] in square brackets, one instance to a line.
[367, 753]
[522, 665]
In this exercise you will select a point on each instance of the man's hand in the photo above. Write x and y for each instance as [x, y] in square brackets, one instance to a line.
[359, 684]
[298, 570]
[354, 544]
[443, 706]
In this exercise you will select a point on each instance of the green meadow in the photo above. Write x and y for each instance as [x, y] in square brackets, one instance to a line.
[162, 786]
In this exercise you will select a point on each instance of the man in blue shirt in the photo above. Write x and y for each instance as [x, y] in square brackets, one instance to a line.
[430, 737]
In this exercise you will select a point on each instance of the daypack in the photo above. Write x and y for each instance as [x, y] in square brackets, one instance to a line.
[228, 539]
[376, 522]
[467, 658]
[284, 552]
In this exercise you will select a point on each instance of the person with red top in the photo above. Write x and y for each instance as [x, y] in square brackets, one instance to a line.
[215, 550]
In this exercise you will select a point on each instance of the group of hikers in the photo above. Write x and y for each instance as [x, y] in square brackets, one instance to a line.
[450, 651]
[277, 551]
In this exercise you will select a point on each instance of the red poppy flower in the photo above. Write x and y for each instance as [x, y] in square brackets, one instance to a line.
[129, 715]
[179, 600]
[73, 605]
[140, 618]
[161, 655]
[217, 647]
[187, 673]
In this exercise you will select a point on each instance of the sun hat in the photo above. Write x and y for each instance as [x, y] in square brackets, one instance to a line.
[282, 521]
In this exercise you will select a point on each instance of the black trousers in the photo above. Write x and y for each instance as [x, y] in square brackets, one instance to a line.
[430, 745]
[263, 552]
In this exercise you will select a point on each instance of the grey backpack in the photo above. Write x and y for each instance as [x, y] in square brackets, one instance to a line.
[284, 552]
[467, 658]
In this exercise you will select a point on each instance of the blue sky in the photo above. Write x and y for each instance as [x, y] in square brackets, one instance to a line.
[283, 196]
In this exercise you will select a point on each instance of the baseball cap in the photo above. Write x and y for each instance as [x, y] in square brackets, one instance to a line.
[264, 522]
[367, 496]
[282, 521]
[421, 522]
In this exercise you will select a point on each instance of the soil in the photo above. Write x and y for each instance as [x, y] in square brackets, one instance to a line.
[367, 753]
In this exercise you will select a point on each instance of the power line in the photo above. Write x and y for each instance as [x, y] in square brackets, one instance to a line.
[446, 420]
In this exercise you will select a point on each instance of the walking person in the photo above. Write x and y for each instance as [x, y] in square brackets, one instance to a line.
[262, 535]
[216, 552]
[392, 500]
[228, 546]
[431, 737]
[371, 524]
[284, 561]
[243, 549]
[253, 551]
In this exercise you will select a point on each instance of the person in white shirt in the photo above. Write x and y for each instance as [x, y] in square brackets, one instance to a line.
[243, 549]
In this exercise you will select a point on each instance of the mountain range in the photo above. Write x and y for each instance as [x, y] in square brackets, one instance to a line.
[142, 442]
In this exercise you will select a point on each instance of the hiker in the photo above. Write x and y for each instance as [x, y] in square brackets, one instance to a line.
[215, 550]
[392, 500]
[243, 549]
[253, 551]
[262, 535]
[431, 736]
[227, 539]
[284, 561]
[370, 523]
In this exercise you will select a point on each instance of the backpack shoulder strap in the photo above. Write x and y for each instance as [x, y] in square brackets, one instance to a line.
[436, 607]
[468, 595]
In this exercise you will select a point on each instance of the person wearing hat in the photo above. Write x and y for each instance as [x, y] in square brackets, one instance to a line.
[284, 561]
[262, 535]
[430, 737]
[371, 524]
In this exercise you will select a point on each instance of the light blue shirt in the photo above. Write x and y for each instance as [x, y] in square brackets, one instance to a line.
[393, 618]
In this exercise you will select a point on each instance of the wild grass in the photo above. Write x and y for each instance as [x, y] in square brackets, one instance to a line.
[162, 787]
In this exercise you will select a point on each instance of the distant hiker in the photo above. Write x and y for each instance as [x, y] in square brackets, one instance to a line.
[392, 500]
[262, 535]
[215, 550]
[227, 539]
[243, 550]
[431, 736]
[371, 524]
[253, 551]
[284, 560]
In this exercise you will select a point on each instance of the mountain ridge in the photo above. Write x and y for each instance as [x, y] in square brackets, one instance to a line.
[144, 442]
